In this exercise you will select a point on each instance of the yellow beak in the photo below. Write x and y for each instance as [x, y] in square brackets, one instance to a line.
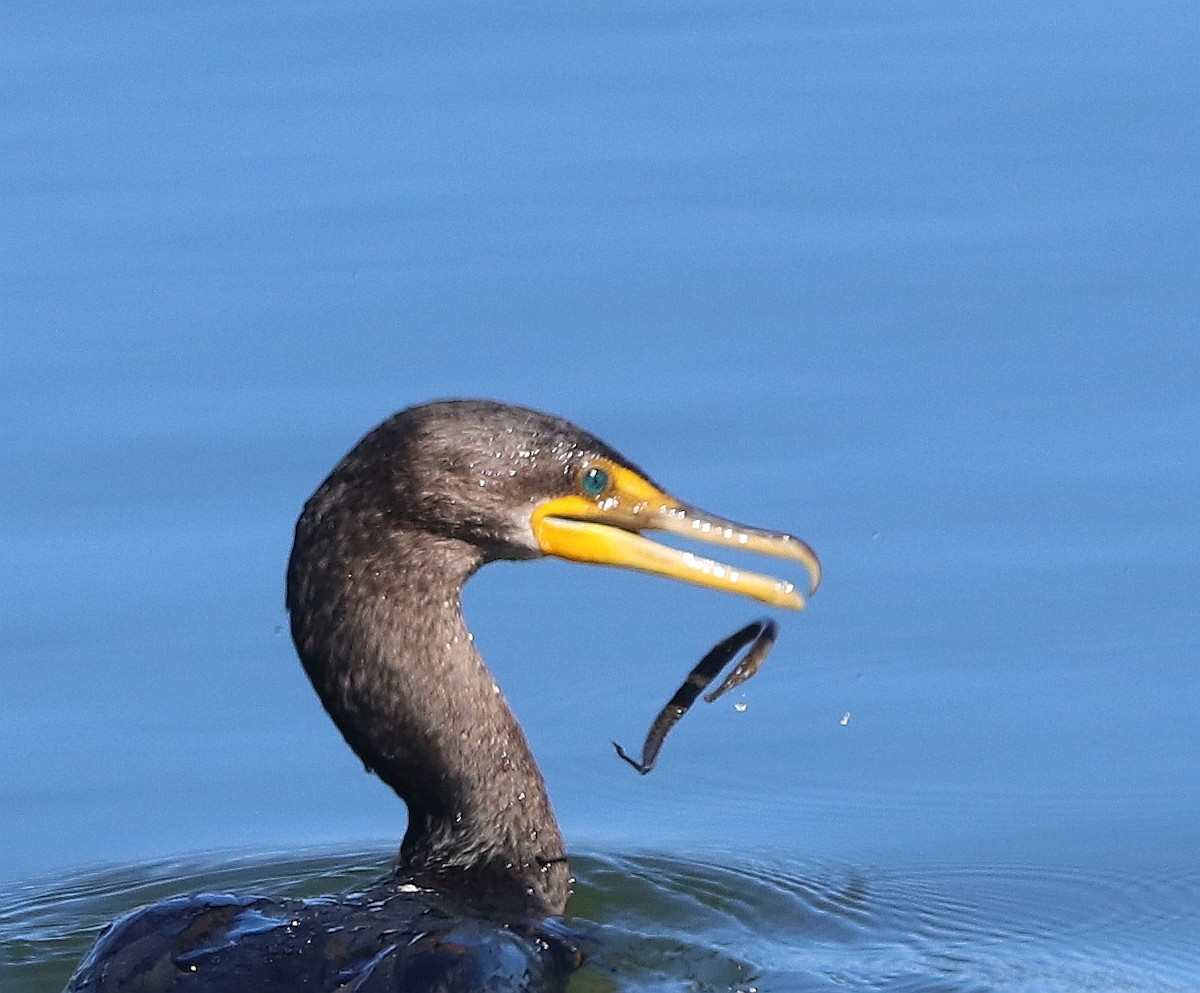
[606, 528]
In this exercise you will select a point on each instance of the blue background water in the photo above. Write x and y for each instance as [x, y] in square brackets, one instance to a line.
[917, 282]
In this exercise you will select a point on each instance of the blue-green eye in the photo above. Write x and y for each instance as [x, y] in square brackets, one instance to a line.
[594, 481]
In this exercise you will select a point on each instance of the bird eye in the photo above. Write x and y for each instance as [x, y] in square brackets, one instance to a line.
[593, 481]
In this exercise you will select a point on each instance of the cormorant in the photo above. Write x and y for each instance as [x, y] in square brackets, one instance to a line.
[381, 552]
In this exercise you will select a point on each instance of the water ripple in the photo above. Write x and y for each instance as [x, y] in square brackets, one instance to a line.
[656, 923]
[934, 929]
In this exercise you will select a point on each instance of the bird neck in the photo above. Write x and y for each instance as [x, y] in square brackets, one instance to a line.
[388, 651]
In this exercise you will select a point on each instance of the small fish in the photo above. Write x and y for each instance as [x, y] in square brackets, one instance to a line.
[757, 637]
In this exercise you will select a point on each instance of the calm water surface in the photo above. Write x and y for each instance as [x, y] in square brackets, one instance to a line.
[914, 281]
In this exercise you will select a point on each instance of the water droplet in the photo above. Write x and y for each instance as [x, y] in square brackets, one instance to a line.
[845, 719]
[741, 706]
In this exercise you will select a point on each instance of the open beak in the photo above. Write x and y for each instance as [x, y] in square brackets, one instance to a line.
[606, 528]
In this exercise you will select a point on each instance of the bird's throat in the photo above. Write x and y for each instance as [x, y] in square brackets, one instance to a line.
[388, 651]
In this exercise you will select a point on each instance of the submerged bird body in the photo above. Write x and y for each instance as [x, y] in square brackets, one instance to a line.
[382, 550]
[389, 938]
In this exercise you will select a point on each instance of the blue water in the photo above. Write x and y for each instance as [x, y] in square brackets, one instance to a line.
[915, 281]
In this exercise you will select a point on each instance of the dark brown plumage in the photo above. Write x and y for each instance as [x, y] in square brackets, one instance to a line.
[381, 552]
